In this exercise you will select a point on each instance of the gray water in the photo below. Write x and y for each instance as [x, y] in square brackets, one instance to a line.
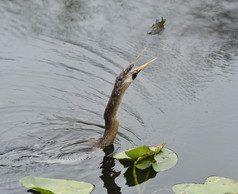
[58, 63]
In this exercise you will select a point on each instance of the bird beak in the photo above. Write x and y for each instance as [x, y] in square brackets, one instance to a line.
[139, 56]
[143, 66]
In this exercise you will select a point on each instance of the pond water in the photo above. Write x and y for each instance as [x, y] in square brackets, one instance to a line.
[58, 63]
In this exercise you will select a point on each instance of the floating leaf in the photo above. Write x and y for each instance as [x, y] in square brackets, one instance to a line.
[145, 163]
[213, 184]
[165, 160]
[147, 158]
[122, 156]
[158, 148]
[159, 157]
[56, 186]
[137, 152]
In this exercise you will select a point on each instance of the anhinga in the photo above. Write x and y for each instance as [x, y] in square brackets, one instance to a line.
[122, 82]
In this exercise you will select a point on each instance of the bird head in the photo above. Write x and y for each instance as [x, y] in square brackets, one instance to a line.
[128, 74]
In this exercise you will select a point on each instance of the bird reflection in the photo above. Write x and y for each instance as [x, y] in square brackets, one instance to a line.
[108, 173]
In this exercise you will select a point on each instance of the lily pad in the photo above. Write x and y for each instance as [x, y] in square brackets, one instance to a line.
[145, 163]
[137, 152]
[159, 157]
[122, 156]
[56, 186]
[165, 160]
[213, 184]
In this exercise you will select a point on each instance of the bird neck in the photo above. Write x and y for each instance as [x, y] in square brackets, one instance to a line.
[111, 117]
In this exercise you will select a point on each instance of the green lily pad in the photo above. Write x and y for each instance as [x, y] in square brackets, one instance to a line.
[137, 152]
[159, 157]
[165, 160]
[122, 156]
[145, 163]
[56, 186]
[213, 184]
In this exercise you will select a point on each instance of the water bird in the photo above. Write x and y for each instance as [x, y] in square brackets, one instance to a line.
[82, 149]
[122, 82]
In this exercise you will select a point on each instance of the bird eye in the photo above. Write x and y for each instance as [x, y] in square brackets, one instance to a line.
[130, 67]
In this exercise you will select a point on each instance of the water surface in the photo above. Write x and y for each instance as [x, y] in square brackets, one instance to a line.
[58, 63]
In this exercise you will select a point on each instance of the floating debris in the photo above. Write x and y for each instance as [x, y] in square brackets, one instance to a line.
[158, 27]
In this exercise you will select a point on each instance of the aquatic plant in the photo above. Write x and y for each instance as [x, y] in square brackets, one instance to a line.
[213, 184]
[159, 157]
[56, 186]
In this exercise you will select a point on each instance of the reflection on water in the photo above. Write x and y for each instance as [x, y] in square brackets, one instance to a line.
[108, 173]
[58, 63]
